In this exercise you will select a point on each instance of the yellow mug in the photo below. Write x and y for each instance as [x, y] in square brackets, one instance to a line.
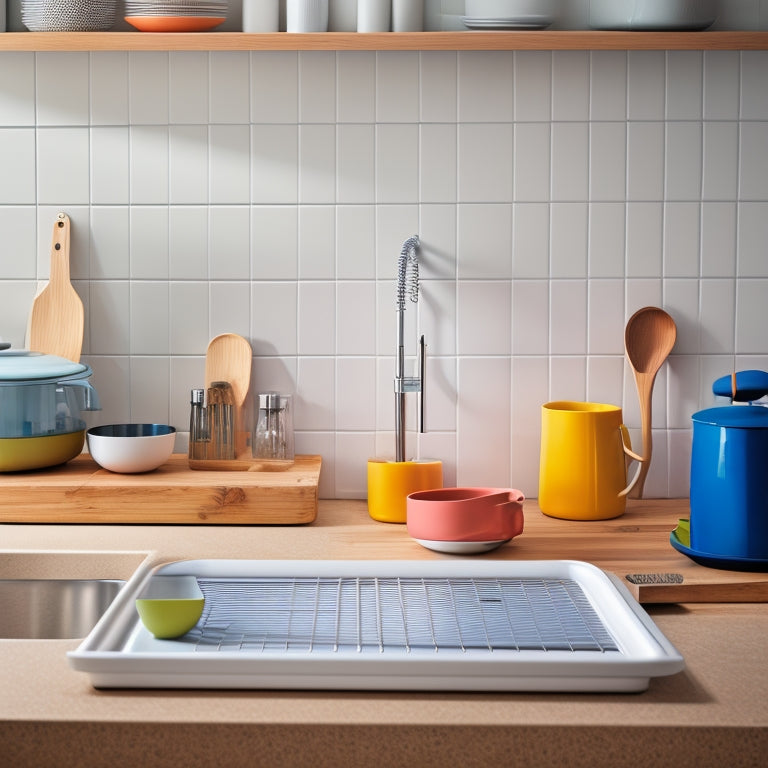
[390, 482]
[583, 469]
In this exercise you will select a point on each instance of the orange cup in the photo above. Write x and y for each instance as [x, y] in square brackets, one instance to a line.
[390, 482]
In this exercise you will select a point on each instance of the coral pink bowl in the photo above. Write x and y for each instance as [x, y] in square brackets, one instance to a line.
[465, 514]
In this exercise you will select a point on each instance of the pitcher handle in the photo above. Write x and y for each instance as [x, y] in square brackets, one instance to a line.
[88, 398]
[626, 444]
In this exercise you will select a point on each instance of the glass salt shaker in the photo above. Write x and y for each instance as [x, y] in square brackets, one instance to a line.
[273, 441]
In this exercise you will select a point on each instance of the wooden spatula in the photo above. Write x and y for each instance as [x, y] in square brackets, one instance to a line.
[229, 359]
[57, 318]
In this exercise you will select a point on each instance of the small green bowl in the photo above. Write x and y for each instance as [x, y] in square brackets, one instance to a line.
[170, 606]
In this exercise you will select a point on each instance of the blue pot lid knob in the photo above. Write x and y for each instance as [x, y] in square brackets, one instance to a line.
[750, 385]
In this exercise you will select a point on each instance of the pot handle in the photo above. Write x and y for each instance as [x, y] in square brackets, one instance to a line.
[626, 444]
[87, 395]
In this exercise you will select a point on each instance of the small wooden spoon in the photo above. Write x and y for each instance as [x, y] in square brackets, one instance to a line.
[648, 339]
[57, 318]
[229, 358]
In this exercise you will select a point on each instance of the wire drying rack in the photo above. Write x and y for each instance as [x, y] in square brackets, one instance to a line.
[488, 625]
[392, 615]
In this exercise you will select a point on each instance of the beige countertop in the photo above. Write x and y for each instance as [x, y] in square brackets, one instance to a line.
[713, 713]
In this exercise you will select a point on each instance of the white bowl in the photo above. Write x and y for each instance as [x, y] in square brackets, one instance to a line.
[131, 448]
[652, 14]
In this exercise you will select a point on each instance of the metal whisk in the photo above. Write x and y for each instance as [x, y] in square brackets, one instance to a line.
[407, 283]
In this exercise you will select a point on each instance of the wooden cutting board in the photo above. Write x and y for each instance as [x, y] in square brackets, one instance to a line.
[727, 587]
[82, 492]
[637, 544]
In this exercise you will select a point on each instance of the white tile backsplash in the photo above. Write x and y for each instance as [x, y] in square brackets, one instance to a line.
[229, 233]
[188, 96]
[753, 166]
[274, 87]
[397, 163]
[608, 85]
[188, 164]
[62, 166]
[110, 165]
[681, 239]
[17, 89]
[230, 308]
[17, 156]
[682, 150]
[753, 231]
[645, 85]
[17, 223]
[684, 85]
[570, 85]
[317, 92]
[228, 87]
[274, 164]
[356, 87]
[720, 160]
[149, 164]
[439, 95]
[397, 88]
[485, 162]
[148, 87]
[268, 194]
[754, 89]
[188, 242]
[62, 88]
[485, 86]
[149, 243]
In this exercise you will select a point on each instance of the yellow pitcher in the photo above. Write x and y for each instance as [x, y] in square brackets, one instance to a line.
[583, 470]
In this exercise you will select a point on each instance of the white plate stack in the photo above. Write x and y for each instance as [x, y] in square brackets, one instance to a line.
[175, 15]
[508, 14]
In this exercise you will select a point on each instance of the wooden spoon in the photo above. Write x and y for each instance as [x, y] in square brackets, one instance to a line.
[57, 317]
[229, 359]
[648, 339]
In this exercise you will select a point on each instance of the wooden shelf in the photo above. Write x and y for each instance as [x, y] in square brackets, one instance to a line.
[383, 41]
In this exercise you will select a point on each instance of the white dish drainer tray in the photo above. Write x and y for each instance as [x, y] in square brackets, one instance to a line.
[536, 625]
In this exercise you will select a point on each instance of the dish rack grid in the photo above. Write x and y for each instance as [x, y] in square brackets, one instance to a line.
[413, 615]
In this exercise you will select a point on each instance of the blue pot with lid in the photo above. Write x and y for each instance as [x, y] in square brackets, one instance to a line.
[729, 476]
[41, 402]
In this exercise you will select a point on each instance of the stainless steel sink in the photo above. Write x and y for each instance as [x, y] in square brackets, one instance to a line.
[53, 608]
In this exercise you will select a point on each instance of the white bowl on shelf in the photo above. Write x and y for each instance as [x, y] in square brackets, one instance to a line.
[648, 15]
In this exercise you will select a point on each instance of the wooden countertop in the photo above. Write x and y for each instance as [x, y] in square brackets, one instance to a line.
[714, 713]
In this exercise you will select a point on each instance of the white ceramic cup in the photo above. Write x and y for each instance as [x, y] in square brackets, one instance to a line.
[407, 15]
[374, 15]
[307, 16]
[342, 15]
[261, 15]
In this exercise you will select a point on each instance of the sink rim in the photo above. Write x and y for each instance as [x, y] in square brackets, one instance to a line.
[63, 566]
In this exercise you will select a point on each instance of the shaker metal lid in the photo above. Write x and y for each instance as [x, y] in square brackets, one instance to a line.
[743, 416]
[271, 401]
[19, 365]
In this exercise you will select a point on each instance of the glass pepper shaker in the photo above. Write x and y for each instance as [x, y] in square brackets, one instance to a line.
[199, 432]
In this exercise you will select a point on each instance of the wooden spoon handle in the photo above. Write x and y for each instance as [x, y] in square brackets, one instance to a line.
[59, 277]
[645, 395]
